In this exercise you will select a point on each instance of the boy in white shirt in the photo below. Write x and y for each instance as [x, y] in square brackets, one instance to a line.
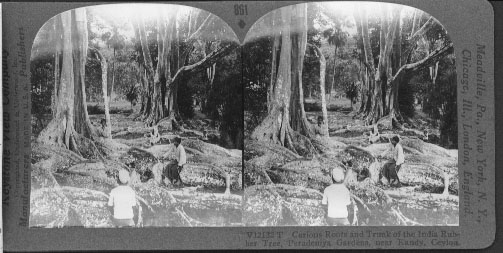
[123, 201]
[391, 168]
[337, 197]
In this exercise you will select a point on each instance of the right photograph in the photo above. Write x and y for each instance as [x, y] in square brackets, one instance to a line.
[350, 113]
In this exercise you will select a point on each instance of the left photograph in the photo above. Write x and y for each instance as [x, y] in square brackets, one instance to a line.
[137, 119]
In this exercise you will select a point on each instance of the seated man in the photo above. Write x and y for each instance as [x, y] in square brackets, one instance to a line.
[173, 169]
[391, 168]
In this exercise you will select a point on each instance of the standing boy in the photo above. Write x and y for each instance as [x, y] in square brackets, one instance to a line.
[123, 201]
[391, 168]
[337, 197]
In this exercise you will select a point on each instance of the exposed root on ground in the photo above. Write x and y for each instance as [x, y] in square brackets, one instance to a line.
[403, 220]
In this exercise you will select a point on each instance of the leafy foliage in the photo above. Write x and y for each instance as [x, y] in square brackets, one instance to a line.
[256, 68]
[42, 87]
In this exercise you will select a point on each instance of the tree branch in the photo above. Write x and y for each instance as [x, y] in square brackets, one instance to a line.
[208, 61]
[147, 60]
[429, 60]
[427, 26]
[412, 41]
[192, 37]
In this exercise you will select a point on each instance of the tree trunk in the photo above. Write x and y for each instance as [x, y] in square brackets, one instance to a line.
[79, 31]
[283, 125]
[155, 108]
[370, 104]
[324, 111]
[378, 100]
[71, 127]
[111, 95]
[363, 67]
[104, 77]
[298, 119]
[275, 128]
[57, 66]
[392, 89]
[160, 98]
[276, 22]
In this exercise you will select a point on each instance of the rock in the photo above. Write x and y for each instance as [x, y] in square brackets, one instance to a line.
[49, 208]
[42, 178]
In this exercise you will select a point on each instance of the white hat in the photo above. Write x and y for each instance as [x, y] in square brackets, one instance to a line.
[338, 175]
[124, 176]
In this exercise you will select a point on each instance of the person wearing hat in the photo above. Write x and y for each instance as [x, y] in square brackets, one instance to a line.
[123, 201]
[337, 198]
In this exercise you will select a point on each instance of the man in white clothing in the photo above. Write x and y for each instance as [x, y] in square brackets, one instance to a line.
[391, 168]
[173, 169]
[122, 201]
[337, 198]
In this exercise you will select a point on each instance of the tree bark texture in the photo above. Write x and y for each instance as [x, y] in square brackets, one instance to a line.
[323, 64]
[379, 91]
[70, 126]
[104, 87]
[286, 123]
